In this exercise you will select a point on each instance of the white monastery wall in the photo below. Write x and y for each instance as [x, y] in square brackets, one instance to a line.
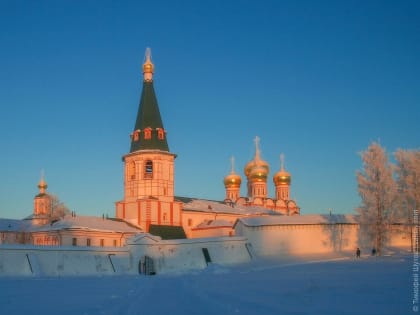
[304, 239]
[187, 254]
[400, 237]
[300, 239]
[167, 256]
[62, 261]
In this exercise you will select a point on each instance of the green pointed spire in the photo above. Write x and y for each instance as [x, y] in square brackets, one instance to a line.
[148, 133]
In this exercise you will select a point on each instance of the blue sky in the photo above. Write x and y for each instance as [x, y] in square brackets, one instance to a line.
[316, 80]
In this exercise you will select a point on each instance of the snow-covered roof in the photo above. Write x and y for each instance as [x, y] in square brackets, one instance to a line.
[146, 238]
[203, 205]
[300, 219]
[143, 238]
[211, 224]
[13, 225]
[87, 223]
[69, 222]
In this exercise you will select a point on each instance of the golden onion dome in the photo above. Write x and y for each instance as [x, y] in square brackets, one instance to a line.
[258, 173]
[263, 164]
[232, 180]
[282, 178]
[248, 167]
[254, 163]
[148, 67]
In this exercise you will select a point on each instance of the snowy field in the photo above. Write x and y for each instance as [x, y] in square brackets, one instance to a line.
[338, 286]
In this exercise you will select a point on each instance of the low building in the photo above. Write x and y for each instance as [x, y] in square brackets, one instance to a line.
[312, 234]
[74, 230]
[209, 218]
[49, 227]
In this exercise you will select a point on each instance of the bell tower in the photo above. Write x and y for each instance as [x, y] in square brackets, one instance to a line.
[42, 204]
[149, 166]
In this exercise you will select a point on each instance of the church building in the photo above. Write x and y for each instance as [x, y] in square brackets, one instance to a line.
[256, 172]
[149, 201]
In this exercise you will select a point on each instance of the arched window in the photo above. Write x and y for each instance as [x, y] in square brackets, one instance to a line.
[148, 169]
[161, 133]
[148, 133]
[136, 135]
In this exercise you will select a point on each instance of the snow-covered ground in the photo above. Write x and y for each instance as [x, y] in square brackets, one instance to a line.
[339, 286]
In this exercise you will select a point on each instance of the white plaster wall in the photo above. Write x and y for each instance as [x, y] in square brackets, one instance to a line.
[400, 237]
[300, 239]
[168, 256]
[285, 240]
[62, 261]
[183, 255]
[14, 263]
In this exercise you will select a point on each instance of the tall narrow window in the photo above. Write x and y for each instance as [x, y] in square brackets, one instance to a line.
[148, 133]
[161, 133]
[101, 242]
[74, 241]
[136, 135]
[88, 242]
[148, 169]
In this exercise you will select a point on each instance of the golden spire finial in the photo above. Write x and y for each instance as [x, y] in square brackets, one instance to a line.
[42, 185]
[282, 162]
[232, 165]
[148, 67]
[232, 180]
[257, 149]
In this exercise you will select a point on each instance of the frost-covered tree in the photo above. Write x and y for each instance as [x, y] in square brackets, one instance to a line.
[58, 208]
[407, 173]
[377, 190]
